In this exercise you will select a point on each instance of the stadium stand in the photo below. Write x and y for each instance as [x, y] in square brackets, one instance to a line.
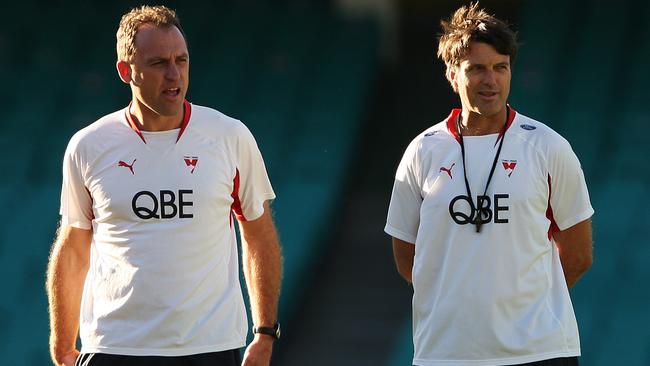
[297, 74]
[600, 112]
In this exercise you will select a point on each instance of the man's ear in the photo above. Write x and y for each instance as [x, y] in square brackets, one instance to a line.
[124, 70]
[451, 76]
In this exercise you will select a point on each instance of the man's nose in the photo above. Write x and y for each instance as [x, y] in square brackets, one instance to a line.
[490, 77]
[173, 72]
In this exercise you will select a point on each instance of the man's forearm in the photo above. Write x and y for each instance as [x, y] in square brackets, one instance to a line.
[404, 254]
[65, 279]
[575, 248]
[263, 272]
[574, 268]
[262, 260]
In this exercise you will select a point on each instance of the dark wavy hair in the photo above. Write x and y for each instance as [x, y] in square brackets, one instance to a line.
[470, 24]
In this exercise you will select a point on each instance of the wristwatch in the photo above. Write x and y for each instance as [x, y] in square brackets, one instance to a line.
[270, 331]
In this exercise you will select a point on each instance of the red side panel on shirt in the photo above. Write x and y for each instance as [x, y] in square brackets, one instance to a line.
[553, 228]
[91, 203]
[236, 203]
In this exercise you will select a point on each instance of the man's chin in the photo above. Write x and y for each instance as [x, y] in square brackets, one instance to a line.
[490, 111]
[171, 109]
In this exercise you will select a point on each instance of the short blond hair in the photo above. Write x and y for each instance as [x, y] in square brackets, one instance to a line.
[471, 24]
[159, 16]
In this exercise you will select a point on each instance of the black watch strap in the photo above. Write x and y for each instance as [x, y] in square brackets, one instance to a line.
[270, 331]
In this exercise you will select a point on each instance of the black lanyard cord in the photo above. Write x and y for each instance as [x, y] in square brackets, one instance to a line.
[479, 210]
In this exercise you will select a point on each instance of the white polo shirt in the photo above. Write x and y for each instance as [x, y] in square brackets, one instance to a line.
[164, 272]
[497, 297]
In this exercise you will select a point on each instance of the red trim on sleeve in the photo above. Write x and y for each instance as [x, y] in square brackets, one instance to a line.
[187, 112]
[451, 123]
[236, 203]
[553, 228]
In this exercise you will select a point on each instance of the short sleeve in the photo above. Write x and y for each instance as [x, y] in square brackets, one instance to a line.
[76, 203]
[568, 188]
[404, 208]
[252, 185]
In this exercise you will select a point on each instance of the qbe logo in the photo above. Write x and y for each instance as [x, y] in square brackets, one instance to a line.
[464, 212]
[166, 205]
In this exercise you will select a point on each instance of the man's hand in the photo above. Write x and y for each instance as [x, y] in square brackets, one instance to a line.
[258, 353]
[68, 359]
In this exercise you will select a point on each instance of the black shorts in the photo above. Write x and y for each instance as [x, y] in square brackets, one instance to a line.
[564, 361]
[224, 358]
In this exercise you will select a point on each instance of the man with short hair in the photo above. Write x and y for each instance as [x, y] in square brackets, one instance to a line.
[145, 265]
[490, 217]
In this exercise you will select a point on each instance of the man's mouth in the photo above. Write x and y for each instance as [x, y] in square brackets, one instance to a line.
[172, 92]
[487, 94]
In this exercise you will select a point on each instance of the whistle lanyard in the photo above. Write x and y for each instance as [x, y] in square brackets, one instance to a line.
[479, 210]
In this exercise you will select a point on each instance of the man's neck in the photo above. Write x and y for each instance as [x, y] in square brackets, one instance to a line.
[474, 124]
[148, 120]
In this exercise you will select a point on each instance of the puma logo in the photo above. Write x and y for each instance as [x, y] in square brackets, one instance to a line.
[123, 164]
[448, 171]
